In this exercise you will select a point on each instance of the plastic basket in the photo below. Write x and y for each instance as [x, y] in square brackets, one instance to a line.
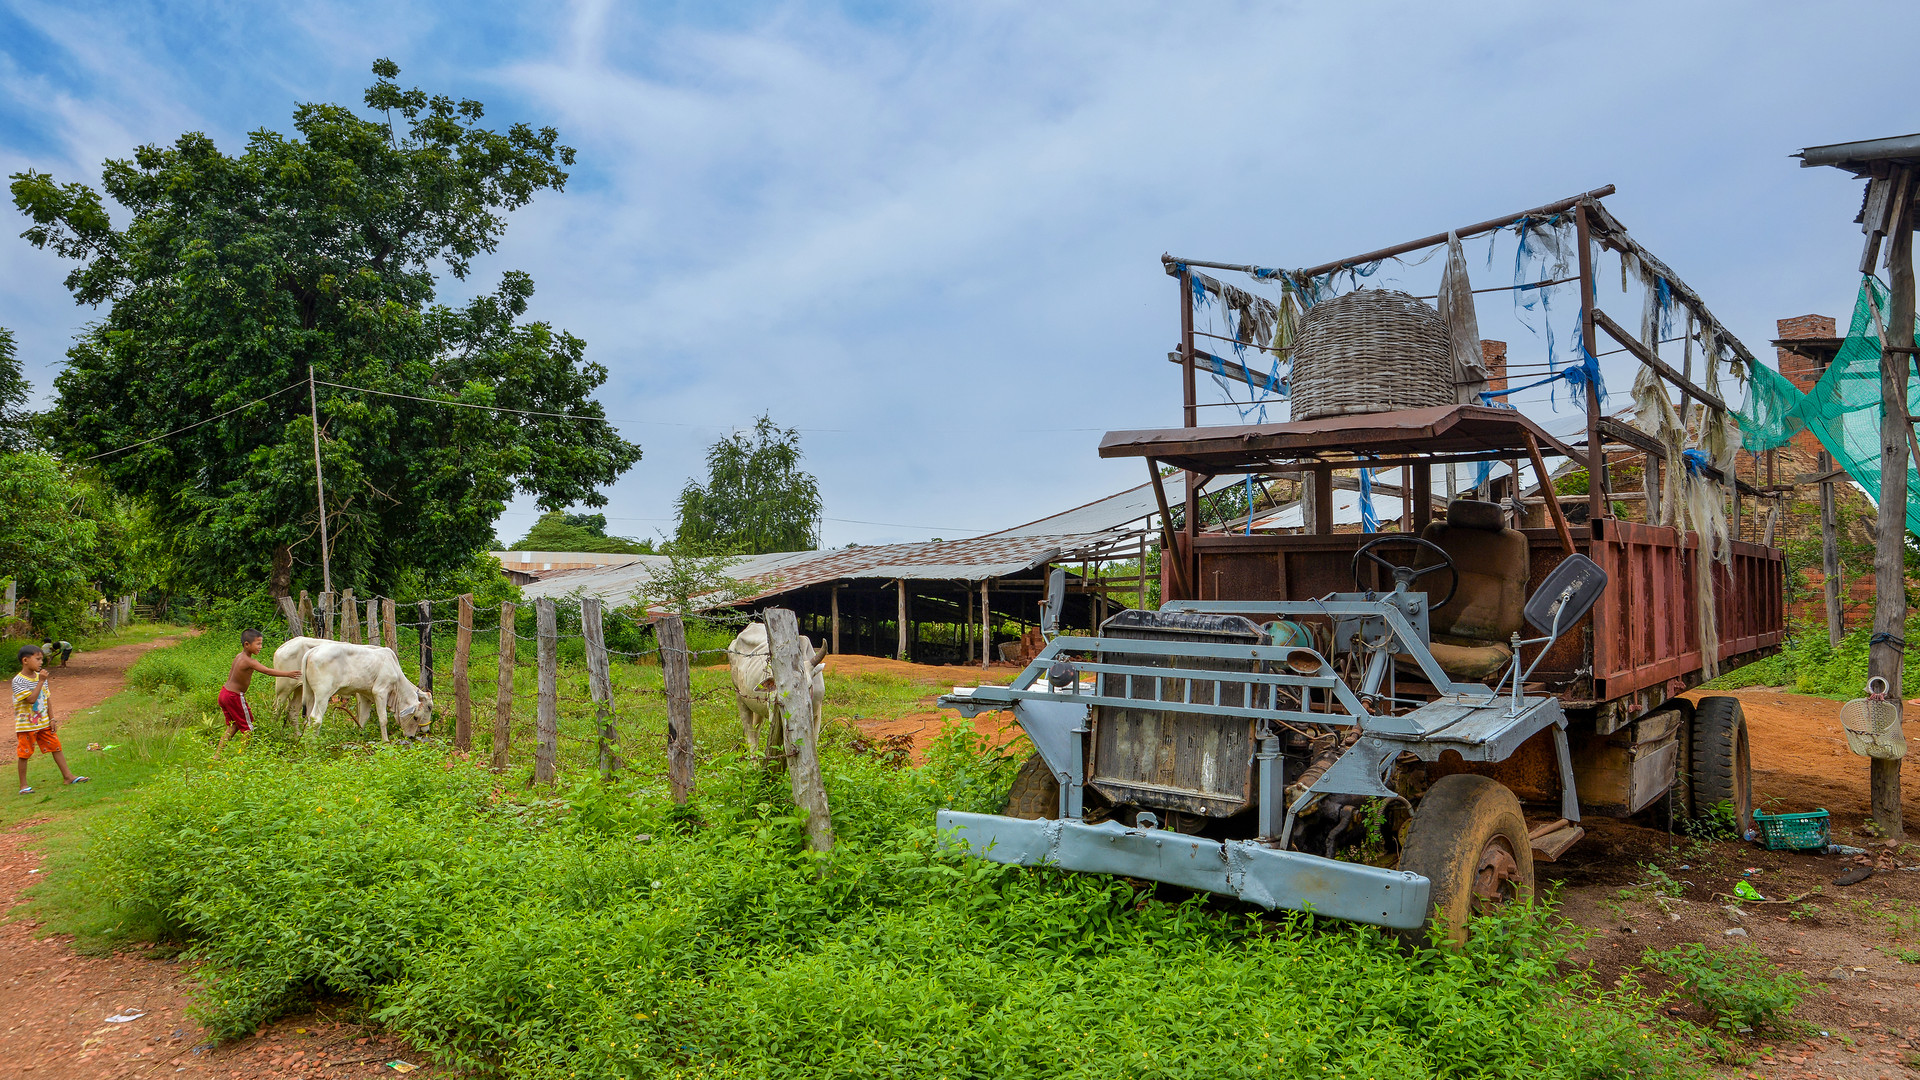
[1872, 724]
[1792, 832]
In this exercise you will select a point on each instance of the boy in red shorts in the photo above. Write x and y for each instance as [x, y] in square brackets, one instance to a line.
[33, 716]
[233, 696]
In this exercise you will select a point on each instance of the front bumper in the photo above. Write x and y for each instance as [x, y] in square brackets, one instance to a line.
[1260, 875]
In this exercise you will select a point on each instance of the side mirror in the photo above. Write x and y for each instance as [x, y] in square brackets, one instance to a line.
[1567, 594]
[1056, 599]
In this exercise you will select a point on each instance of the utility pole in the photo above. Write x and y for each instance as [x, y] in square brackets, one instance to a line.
[319, 485]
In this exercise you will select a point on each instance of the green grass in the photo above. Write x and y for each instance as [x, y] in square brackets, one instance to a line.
[599, 931]
[1808, 665]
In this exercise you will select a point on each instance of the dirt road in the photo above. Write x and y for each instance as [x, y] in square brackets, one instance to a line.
[89, 1017]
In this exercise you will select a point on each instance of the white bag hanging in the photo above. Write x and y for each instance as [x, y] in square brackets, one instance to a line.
[1872, 724]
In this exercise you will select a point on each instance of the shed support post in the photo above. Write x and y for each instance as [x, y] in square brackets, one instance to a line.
[901, 624]
[986, 626]
[1889, 562]
[835, 601]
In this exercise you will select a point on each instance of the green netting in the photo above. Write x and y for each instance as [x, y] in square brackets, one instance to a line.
[1842, 410]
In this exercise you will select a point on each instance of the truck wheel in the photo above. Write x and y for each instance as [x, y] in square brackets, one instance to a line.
[1718, 769]
[1468, 838]
[1035, 793]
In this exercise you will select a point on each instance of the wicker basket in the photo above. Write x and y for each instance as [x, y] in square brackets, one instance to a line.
[1372, 350]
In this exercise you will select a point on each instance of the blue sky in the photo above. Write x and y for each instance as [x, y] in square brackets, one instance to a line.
[929, 234]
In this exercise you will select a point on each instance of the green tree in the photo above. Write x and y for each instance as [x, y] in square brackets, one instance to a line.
[14, 417]
[236, 275]
[756, 498]
[557, 531]
[61, 538]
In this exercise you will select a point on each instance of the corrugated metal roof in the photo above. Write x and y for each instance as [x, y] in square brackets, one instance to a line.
[944, 560]
[1113, 512]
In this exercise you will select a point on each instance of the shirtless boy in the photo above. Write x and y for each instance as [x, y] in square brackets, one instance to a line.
[233, 696]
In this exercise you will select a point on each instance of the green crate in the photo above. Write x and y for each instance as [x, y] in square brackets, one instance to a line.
[1792, 832]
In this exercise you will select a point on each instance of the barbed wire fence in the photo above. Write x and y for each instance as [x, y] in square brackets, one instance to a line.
[377, 620]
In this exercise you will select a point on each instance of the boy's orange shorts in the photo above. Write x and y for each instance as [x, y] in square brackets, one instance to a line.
[45, 739]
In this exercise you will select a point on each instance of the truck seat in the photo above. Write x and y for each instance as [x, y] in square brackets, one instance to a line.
[1471, 633]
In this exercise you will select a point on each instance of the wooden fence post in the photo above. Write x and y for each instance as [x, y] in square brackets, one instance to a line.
[349, 618]
[426, 655]
[306, 614]
[793, 696]
[462, 693]
[547, 720]
[390, 626]
[326, 616]
[503, 704]
[373, 621]
[292, 612]
[676, 668]
[600, 685]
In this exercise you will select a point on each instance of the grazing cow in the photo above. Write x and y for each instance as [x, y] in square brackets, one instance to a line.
[287, 697]
[373, 673]
[750, 661]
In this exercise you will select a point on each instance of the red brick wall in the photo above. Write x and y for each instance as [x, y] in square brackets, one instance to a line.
[1494, 355]
[1802, 371]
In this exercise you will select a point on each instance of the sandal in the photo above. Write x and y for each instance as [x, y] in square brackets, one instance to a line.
[79, 780]
[26, 791]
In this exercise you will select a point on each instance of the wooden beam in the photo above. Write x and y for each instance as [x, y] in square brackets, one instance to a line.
[1464, 232]
[1646, 356]
[1632, 436]
[1553, 505]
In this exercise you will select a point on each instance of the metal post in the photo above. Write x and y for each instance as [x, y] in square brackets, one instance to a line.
[1596, 454]
[319, 485]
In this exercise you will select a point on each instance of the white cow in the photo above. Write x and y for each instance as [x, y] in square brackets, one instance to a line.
[373, 673]
[750, 662]
[287, 697]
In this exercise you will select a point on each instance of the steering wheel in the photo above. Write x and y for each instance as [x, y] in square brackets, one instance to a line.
[1407, 575]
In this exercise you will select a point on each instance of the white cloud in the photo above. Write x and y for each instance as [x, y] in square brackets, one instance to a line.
[938, 231]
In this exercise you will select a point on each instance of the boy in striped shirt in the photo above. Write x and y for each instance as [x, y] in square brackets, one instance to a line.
[33, 716]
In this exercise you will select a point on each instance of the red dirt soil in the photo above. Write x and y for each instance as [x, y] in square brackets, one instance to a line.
[1801, 761]
[54, 1002]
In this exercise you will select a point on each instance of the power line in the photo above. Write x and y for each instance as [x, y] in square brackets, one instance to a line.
[196, 423]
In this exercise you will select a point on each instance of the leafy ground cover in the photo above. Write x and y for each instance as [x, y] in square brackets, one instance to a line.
[1807, 664]
[598, 930]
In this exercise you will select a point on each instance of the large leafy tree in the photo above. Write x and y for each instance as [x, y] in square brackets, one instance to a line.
[14, 416]
[62, 538]
[236, 275]
[756, 499]
[557, 531]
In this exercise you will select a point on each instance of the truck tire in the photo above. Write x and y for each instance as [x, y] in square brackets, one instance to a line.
[1035, 793]
[1717, 763]
[1469, 838]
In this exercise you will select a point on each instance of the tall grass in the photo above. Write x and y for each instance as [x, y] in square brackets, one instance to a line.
[603, 932]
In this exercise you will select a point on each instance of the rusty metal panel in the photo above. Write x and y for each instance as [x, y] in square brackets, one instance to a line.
[1160, 756]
